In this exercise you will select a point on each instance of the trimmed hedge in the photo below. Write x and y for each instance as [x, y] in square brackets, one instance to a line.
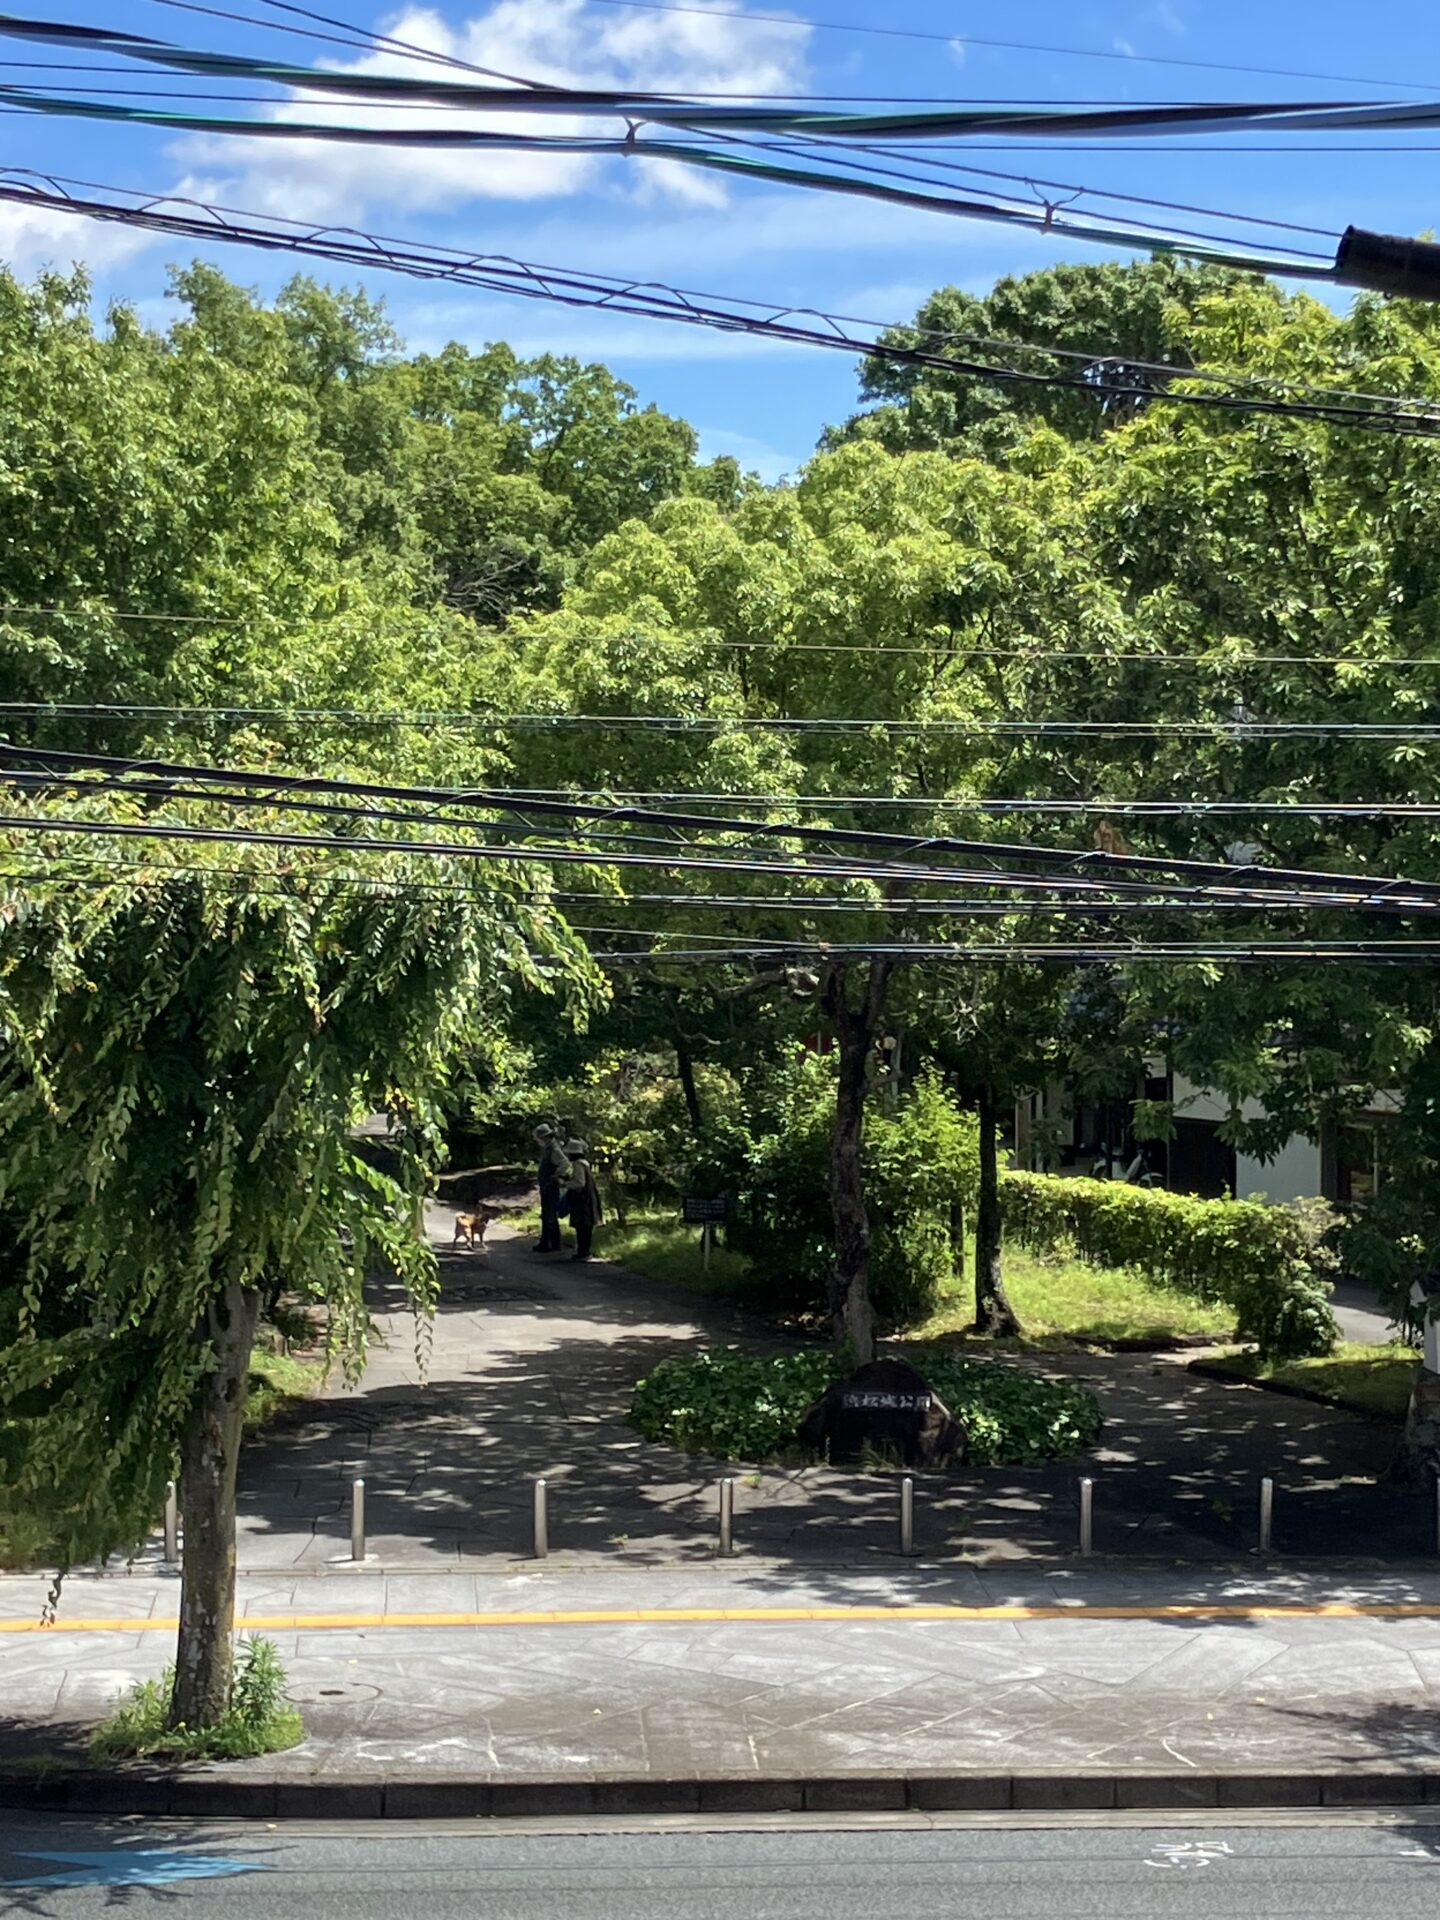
[1264, 1261]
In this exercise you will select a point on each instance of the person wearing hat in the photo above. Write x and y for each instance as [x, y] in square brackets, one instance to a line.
[552, 1172]
[585, 1214]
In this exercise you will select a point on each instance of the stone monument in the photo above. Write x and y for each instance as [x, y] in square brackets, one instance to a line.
[890, 1408]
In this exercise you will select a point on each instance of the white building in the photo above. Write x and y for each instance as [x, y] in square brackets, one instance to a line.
[1057, 1132]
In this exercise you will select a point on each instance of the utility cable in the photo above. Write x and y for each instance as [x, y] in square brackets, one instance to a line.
[366, 39]
[1229, 729]
[1230, 874]
[655, 301]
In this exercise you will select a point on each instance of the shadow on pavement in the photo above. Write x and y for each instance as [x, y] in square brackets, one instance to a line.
[533, 1365]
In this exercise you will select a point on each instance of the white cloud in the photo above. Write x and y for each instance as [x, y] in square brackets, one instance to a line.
[32, 238]
[558, 42]
[1168, 17]
[958, 52]
[755, 456]
[1126, 47]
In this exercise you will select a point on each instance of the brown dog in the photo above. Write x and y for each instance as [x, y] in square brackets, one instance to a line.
[470, 1227]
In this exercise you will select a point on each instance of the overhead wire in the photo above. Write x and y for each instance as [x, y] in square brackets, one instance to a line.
[803, 24]
[750, 164]
[1008, 46]
[1229, 874]
[1090, 358]
[959, 803]
[1228, 728]
[653, 300]
[1226, 953]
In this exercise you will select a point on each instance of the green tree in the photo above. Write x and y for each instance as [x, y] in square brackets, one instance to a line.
[922, 593]
[187, 1046]
[1120, 322]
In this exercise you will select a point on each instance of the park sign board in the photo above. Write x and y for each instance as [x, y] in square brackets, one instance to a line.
[701, 1211]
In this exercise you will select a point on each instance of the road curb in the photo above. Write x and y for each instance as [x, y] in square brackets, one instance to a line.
[214, 1792]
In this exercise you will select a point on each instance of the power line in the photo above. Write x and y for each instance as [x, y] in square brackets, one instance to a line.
[1226, 729]
[1007, 46]
[901, 847]
[960, 652]
[804, 25]
[1097, 228]
[652, 300]
[690, 114]
[1030, 901]
[959, 803]
[1387, 952]
[1080, 908]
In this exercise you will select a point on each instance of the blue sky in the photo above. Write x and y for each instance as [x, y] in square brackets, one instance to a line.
[765, 404]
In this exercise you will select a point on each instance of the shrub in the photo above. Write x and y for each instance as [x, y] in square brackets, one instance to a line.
[921, 1156]
[1268, 1263]
[745, 1406]
[257, 1719]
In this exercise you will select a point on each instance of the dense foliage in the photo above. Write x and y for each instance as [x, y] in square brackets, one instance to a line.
[745, 1406]
[1266, 1262]
[260, 511]
[920, 1166]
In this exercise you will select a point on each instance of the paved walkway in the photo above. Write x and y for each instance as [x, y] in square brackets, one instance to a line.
[1061, 1685]
[1360, 1316]
[530, 1372]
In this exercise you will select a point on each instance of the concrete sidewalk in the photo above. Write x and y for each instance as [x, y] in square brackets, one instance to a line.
[1108, 1686]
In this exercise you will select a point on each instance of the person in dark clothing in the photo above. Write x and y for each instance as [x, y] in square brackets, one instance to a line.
[552, 1173]
[585, 1212]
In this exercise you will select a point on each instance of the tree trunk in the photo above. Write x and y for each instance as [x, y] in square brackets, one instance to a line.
[209, 1456]
[852, 1316]
[688, 1087]
[993, 1311]
[957, 1237]
[1418, 1460]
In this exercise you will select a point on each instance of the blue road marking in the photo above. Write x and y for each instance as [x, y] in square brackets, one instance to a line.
[127, 1867]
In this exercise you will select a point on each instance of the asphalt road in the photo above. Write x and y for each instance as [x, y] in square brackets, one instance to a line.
[1379, 1867]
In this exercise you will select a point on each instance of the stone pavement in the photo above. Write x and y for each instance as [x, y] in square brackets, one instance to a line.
[530, 1372]
[1068, 1690]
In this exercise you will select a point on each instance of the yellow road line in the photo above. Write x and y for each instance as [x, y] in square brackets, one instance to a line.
[685, 1616]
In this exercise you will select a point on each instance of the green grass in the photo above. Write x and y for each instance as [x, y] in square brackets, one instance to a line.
[1373, 1380]
[257, 1720]
[1058, 1301]
[1064, 1300]
[277, 1380]
[664, 1248]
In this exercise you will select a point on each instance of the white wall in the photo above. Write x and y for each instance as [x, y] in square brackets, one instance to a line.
[1294, 1173]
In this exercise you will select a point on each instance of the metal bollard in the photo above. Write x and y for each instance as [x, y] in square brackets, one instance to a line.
[1267, 1513]
[172, 1525]
[357, 1520]
[542, 1520]
[727, 1517]
[1087, 1516]
[907, 1514]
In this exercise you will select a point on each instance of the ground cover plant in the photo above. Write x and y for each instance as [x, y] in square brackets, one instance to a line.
[747, 1406]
